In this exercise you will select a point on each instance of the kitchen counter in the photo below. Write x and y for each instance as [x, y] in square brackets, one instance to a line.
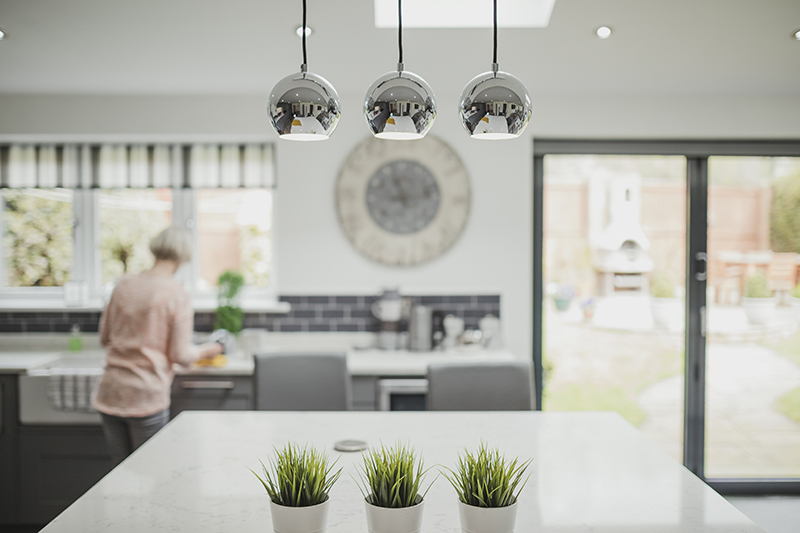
[361, 362]
[405, 363]
[22, 362]
[591, 472]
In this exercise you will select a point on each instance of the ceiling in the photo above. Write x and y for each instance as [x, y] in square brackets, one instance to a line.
[732, 47]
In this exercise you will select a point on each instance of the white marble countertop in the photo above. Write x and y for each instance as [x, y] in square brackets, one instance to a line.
[591, 472]
[19, 363]
[368, 362]
[405, 363]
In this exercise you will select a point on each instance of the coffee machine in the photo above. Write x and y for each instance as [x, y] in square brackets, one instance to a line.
[391, 309]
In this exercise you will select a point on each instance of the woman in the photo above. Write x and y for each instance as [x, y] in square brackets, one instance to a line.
[145, 328]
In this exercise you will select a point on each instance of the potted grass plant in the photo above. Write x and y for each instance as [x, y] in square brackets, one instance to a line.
[758, 302]
[391, 482]
[298, 482]
[488, 486]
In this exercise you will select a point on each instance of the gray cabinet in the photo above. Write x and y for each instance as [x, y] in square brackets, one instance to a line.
[365, 393]
[8, 450]
[56, 466]
[211, 393]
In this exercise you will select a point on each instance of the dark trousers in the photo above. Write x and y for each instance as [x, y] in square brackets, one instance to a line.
[124, 435]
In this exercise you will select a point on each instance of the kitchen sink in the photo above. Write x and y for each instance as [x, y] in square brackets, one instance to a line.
[34, 405]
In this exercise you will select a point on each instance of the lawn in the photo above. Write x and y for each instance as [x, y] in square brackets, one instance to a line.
[789, 403]
[591, 369]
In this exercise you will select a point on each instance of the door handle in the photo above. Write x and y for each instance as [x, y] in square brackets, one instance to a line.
[701, 266]
[216, 385]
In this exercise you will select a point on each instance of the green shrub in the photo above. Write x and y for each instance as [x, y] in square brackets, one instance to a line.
[785, 215]
[298, 477]
[661, 286]
[392, 477]
[796, 291]
[486, 479]
[757, 287]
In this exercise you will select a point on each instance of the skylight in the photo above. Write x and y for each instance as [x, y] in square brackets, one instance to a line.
[464, 13]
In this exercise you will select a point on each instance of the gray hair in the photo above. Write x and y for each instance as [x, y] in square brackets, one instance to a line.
[172, 244]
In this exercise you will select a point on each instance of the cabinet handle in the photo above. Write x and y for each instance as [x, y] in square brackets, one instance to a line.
[207, 384]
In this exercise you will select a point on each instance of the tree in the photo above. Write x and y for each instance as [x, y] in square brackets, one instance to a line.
[38, 237]
[785, 215]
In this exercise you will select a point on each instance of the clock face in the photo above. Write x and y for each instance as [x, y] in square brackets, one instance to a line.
[403, 203]
[402, 196]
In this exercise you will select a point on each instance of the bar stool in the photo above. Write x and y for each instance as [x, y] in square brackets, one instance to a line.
[302, 382]
[502, 386]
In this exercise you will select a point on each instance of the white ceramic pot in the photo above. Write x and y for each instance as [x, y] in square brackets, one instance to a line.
[664, 310]
[487, 519]
[311, 519]
[759, 311]
[394, 520]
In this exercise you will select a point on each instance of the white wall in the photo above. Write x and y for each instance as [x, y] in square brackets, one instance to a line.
[493, 254]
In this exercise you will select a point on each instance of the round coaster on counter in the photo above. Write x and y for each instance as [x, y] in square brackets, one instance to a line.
[350, 445]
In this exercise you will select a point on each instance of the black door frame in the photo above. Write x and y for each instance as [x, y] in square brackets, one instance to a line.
[696, 153]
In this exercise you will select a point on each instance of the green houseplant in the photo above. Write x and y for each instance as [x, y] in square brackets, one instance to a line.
[758, 303]
[794, 298]
[298, 482]
[391, 482]
[229, 313]
[661, 286]
[664, 306]
[488, 487]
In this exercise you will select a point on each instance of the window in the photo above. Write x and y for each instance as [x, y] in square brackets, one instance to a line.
[129, 218]
[37, 237]
[78, 216]
[234, 231]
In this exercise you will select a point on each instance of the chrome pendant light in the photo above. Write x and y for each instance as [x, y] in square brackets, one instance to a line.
[495, 105]
[400, 105]
[304, 106]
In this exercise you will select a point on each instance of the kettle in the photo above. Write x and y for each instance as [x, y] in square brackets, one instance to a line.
[420, 329]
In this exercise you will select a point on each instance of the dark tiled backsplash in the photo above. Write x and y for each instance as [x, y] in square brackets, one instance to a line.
[48, 322]
[309, 313]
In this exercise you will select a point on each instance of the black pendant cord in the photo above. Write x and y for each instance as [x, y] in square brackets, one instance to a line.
[400, 30]
[494, 58]
[305, 31]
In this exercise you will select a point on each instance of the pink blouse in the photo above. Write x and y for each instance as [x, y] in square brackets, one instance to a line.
[145, 328]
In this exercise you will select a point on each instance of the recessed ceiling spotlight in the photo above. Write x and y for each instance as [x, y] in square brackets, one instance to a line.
[796, 35]
[2, 34]
[299, 31]
[603, 32]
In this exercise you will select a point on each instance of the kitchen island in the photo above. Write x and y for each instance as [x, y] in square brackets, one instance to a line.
[591, 472]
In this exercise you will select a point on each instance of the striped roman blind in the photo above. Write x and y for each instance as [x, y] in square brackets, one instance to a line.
[86, 166]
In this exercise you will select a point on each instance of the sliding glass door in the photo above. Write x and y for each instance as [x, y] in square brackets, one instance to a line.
[666, 289]
[614, 246]
[753, 330]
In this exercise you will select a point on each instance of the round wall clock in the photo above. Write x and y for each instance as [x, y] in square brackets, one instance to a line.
[403, 203]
